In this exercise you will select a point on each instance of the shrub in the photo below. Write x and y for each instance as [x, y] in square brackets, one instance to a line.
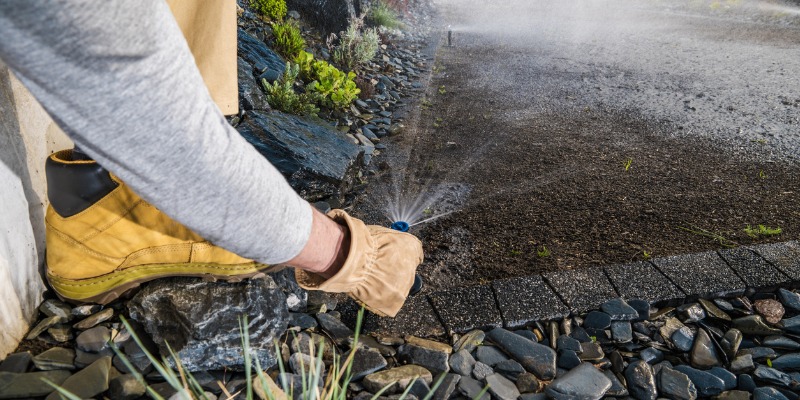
[335, 88]
[356, 47]
[272, 9]
[282, 97]
[288, 40]
[382, 15]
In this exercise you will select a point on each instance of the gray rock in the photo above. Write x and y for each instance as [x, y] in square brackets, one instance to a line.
[791, 325]
[743, 363]
[527, 335]
[781, 342]
[301, 363]
[31, 384]
[691, 312]
[296, 297]
[773, 376]
[55, 358]
[642, 307]
[641, 381]
[462, 362]
[619, 310]
[621, 331]
[597, 320]
[370, 342]
[85, 358]
[94, 340]
[676, 385]
[200, 320]
[316, 160]
[125, 387]
[501, 388]
[591, 351]
[56, 308]
[728, 379]
[617, 388]
[86, 310]
[706, 383]
[490, 355]
[536, 358]
[88, 382]
[42, 326]
[396, 378]
[768, 393]
[582, 382]
[528, 383]
[755, 325]
[789, 299]
[95, 319]
[60, 333]
[565, 342]
[433, 360]
[759, 353]
[704, 354]
[683, 339]
[733, 395]
[713, 310]
[329, 16]
[651, 355]
[568, 359]
[670, 326]
[470, 388]
[510, 369]
[730, 342]
[17, 362]
[787, 362]
[320, 302]
[338, 331]
[302, 320]
[419, 389]
[746, 383]
[481, 371]
[447, 386]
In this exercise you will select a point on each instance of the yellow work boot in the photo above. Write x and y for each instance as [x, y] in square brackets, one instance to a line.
[103, 239]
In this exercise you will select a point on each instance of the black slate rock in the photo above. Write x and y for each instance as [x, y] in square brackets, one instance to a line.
[641, 381]
[597, 320]
[706, 383]
[534, 357]
[619, 310]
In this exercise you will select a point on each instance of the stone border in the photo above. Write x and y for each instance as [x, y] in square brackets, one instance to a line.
[668, 281]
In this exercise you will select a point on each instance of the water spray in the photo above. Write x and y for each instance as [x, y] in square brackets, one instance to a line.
[403, 226]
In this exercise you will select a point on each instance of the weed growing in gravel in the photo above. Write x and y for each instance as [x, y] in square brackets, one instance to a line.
[722, 240]
[282, 97]
[543, 252]
[288, 40]
[383, 15]
[314, 385]
[762, 230]
[627, 164]
[762, 174]
[646, 255]
[442, 90]
[272, 9]
[356, 47]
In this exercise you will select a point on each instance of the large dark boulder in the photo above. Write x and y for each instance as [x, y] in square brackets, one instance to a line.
[317, 160]
[329, 16]
[200, 320]
[251, 96]
[258, 54]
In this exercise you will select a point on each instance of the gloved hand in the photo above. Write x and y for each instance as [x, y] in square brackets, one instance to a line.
[379, 269]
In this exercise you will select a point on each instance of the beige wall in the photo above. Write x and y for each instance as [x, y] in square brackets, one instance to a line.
[27, 137]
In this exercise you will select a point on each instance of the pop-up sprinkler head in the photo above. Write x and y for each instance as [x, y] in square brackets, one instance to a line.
[403, 226]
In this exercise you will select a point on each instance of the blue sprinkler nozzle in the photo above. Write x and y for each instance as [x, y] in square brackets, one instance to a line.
[403, 226]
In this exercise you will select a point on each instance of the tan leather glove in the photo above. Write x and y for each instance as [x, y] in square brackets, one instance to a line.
[379, 269]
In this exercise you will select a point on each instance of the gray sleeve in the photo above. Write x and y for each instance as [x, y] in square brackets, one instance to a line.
[119, 79]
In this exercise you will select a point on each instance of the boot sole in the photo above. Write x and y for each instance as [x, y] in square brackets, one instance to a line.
[107, 288]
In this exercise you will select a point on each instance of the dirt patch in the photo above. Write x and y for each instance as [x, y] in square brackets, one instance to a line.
[578, 188]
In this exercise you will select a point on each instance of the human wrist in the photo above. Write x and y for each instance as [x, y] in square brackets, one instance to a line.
[326, 249]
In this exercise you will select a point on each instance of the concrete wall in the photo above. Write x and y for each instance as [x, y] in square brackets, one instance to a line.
[27, 137]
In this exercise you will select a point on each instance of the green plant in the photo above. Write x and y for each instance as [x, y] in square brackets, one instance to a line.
[442, 90]
[543, 252]
[281, 95]
[288, 40]
[762, 174]
[717, 237]
[272, 9]
[627, 164]
[646, 254]
[334, 88]
[515, 253]
[356, 47]
[762, 230]
[383, 15]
